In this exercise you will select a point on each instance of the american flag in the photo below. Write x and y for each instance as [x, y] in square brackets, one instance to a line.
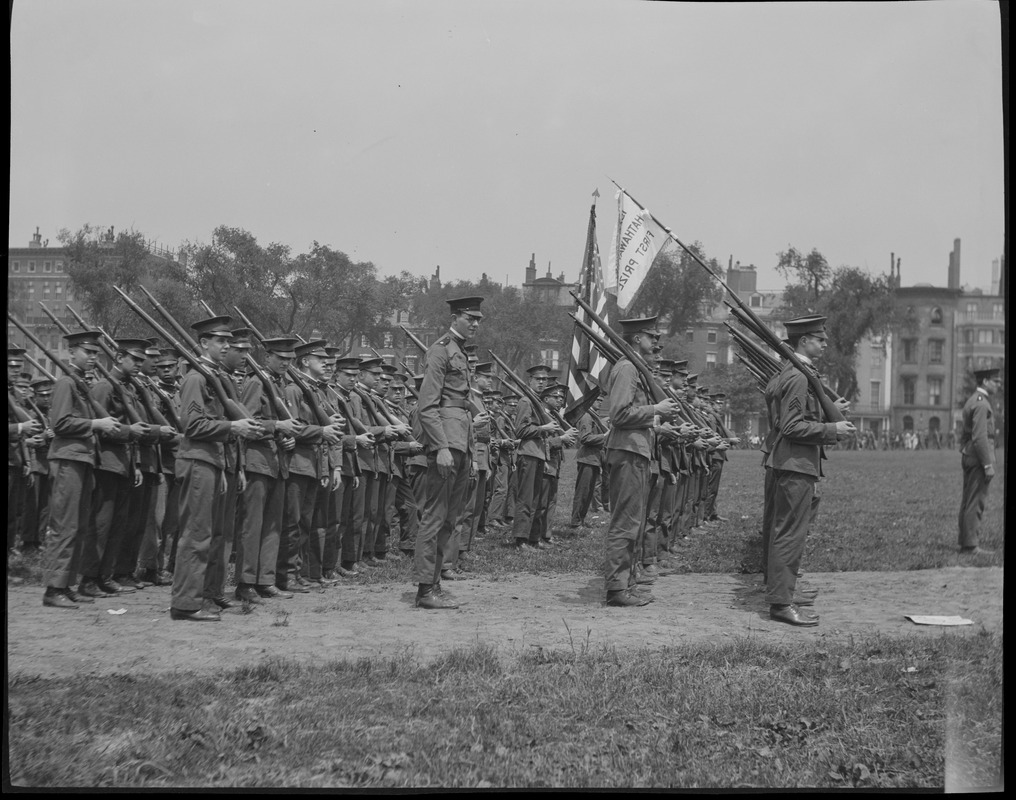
[587, 368]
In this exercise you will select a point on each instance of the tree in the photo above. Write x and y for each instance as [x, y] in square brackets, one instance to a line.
[812, 272]
[98, 260]
[744, 400]
[678, 290]
[855, 303]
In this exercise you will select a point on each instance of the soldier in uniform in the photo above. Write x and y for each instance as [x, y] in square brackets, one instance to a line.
[796, 459]
[530, 461]
[36, 520]
[446, 427]
[587, 460]
[629, 450]
[400, 509]
[200, 468]
[266, 467]
[116, 476]
[977, 450]
[553, 397]
[502, 503]
[416, 472]
[72, 461]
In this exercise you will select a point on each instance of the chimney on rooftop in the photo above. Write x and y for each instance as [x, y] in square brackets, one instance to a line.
[36, 239]
[954, 265]
[531, 269]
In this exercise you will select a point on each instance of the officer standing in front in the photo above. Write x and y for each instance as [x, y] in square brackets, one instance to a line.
[977, 449]
[447, 434]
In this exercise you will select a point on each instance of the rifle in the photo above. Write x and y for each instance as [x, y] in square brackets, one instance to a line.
[281, 409]
[832, 413]
[233, 410]
[80, 384]
[414, 339]
[42, 370]
[117, 386]
[409, 387]
[134, 380]
[522, 386]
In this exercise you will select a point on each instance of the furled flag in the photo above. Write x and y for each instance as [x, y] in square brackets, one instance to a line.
[587, 369]
[636, 241]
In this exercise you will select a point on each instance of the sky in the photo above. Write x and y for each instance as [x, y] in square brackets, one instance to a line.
[471, 134]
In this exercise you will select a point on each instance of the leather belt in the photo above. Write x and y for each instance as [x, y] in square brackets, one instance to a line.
[453, 402]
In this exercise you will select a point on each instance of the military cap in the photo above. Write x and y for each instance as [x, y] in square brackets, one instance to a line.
[466, 305]
[988, 373]
[485, 368]
[15, 356]
[372, 365]
[213, 326]
[133, 347]
[666, 366]
[240, 338]
[492, 394]
[553, 389]
[23, 379]
[718, 396]
[284, 346]
[639, 325]
[333, 352]
[398, 378]
[692, 379]
[315, 347]
[167, 355]
[389, 369]
[813, 326]
[702, 390]
[153, 348]
[681, 366]
[42, 385]
[538, 368]
[348, 364]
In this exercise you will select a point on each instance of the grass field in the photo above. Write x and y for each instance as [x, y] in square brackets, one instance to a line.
[874, 712]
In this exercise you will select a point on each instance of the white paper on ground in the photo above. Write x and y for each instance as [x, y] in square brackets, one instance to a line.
[918, 619]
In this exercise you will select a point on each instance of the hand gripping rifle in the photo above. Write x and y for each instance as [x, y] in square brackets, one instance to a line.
[79, 382]
[233, 410]
[139, 382]
[117, 385]
[832, 413]
[31, 403]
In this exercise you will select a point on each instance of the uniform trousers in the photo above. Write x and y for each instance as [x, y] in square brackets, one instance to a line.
[69, 518]
[465, 530]
[366, 503]
[404, 508]
[629, 485]
[258, 553]
[376, 543]
[36, 517]
[332, 543]
[529, 474]
[110, 510]
[222, 541]
[713, 489]
[297, 517]
[649, 533]
[499, 494]
[585, 487]
[793, 510]
[665, 515]
[445, 496]
[975, 494]
[768, 505]
[142, 498]
[546, 508]
[353, 512]
[201, 496]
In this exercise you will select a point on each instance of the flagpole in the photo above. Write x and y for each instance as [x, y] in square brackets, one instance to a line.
[833, 414]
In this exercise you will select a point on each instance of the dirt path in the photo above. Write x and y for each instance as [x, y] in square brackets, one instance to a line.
[524, 611]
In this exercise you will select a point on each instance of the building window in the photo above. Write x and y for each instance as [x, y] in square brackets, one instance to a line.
[877, 357]
[411, 363]
[935, 391]
[910, 351]
[876, 394]
[31, 266]
[58, 289]
[971, 309]
[59, 266]
[936, 316]
[935, 347]
[968, 363]
[31, 287]
[999, 337]
[689, 336]
[984, 336]
[47, 266]
[998, 311]
[711, 337]
[908, 423]
[16, 266]
[551, 358]
[968, 335]
[710, 360]
[364, 341]
[909, 391]
[388, 340]
[45, 290]
[756, 301]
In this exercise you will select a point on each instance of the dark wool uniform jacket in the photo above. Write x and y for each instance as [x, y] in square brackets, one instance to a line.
[444, 414]
[977, 437]
[205, 428]
[631, 414]
[71, 416]
[526, 426]
[795, 413]
[264, 456]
